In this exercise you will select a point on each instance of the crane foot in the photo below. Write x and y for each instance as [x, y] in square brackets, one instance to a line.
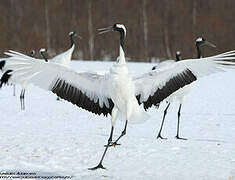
[177, 137]
[99, 166]
[112, 144]
[159, 136]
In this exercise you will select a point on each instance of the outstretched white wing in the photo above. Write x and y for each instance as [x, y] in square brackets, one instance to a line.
[86, 90]
[155, 86]
[62, 58]
[65, 57]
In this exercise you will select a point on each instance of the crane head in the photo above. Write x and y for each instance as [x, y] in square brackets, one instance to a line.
[116, 27]
[32, 53]
[74, 34]
[42, 50]
[178, 55]
[201, 41]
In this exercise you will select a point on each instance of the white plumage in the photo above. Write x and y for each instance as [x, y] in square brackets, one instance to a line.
[146, 85]
[112, 93]
[64, 58]
[117, 84]
[149, 83]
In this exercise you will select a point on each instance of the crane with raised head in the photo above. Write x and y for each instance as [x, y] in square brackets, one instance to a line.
[180, 95]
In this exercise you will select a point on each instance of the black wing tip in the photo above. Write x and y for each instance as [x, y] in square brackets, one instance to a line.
[154, 68]
[5, 77]
[184, 78]
[2, 64]
[72, 94]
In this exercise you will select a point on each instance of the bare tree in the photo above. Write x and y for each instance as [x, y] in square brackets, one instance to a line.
[90, 29]
[156, 29]
[47, 25]
[145, 19]
[166, 32]
[194, 14]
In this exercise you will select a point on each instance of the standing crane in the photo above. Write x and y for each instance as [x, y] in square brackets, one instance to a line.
[183, 92]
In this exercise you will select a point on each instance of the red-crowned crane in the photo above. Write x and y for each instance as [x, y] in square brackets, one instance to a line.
[180, 95]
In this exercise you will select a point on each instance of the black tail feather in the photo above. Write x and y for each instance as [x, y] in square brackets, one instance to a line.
[2, 63]
[5, 77]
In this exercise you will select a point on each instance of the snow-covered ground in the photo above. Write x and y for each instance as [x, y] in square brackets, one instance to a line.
[55, 138]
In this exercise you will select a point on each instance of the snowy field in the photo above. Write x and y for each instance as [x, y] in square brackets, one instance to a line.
[55, 138]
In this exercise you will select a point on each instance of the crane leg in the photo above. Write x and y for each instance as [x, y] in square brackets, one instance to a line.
[165, 112]
[14, 90]
[22, 99]
[122, 134]
[178, 125]
[106, 148]
[113, 120]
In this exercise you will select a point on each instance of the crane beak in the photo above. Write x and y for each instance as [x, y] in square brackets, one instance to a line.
[104, 30]
[207, 43]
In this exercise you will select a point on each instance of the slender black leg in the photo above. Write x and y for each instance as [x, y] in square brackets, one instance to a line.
[106, 148]
[23, 99]
[123, 133]
[178, 126]
[14, 90]
[165, 112]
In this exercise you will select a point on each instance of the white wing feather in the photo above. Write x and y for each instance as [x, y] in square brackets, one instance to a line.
[149, 83]
[63, 59]
[44, 74]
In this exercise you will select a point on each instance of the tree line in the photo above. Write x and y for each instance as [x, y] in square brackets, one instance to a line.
[156, 29]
